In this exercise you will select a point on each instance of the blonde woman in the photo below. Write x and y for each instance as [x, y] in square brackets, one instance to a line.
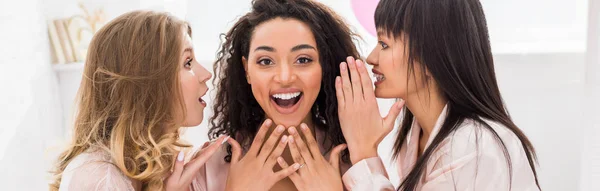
[141, 84]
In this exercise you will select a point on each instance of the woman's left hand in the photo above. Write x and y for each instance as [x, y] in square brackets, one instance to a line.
[183, 174]
[315, 173]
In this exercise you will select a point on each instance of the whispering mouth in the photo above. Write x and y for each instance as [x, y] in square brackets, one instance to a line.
[286, 100]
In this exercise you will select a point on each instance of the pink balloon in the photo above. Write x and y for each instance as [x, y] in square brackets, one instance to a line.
[364, 10]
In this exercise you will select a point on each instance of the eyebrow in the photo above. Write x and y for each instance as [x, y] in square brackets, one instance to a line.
[265, 48]
[303, 46]
[188, 49]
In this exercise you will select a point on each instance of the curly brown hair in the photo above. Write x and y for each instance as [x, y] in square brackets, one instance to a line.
[236, 111]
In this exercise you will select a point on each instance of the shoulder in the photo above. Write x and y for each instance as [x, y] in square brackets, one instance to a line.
[481, 140]
[94, 171]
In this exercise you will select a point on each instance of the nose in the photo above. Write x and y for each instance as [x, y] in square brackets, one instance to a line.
[203, 74]
[285, 74]
[373, 58]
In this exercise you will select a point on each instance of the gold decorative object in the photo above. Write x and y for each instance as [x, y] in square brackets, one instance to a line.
[70, 38]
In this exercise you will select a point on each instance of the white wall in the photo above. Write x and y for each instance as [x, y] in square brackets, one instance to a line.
[590, 168]
[539, 47]
[29, 96]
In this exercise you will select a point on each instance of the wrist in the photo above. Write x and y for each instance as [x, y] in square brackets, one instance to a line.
[361, 154]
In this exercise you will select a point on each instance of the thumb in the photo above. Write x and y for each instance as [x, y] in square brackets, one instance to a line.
[334, 157]
[390, 119]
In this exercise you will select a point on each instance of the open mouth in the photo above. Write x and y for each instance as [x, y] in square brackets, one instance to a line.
[286, 100]
[379, 77]
[202, 102]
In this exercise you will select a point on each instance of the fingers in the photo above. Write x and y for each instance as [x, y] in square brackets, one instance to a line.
[334, 157]
[277, 152]
[192, 167]
[236, 150]
[287, 171]
[198, 150]
[390, 119]
[259, 138]
[367, 84]
[339, 93]
[295, 177]
[294, 151]
[271, 142]
[310, 141]
[178, 169]
[205, 144]
[301, 146]
[346, 85]
[357, 90]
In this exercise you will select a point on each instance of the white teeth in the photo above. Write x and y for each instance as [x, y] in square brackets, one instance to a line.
[379, 77]
[286, 96]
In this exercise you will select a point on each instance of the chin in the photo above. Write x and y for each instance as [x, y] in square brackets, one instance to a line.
[193, 122]
[387, 92]
[384, 94]
[286, 121]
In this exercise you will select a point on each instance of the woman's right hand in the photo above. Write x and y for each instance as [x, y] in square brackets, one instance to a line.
[360, 120]
[255, 170]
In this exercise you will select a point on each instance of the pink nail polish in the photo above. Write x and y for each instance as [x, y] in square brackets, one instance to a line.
[180, 156]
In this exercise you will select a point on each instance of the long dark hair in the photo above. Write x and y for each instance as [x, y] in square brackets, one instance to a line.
[449, 38]
[236, 111]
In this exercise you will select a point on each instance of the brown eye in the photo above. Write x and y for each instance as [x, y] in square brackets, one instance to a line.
[304, 60]
[383, 45]
[188, 63]
[265, 62]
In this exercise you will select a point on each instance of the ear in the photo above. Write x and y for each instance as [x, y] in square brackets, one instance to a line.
[245, 62]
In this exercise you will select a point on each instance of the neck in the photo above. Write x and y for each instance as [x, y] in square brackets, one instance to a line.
[426, 106]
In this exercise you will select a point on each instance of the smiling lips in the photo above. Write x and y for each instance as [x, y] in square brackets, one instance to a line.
[286, 101]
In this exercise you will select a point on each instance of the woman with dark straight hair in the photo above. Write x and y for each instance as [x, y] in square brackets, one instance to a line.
[456, 133]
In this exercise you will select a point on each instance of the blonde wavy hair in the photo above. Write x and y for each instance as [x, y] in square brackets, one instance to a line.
[130, 102]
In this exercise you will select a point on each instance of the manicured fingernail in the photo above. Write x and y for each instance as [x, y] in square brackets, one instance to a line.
[268, 122]
[358, 63]
[291, 139]
[280, 129]
[304, 127]
[296, 166]
[225, 140]
[291, 130]
[280, 160]
[399, 105]
[284, 138]
[180, 156]
[343, 66]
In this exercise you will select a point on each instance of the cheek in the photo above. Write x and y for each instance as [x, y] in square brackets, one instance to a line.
[312, 78]
[259, 85]
[189, 85]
